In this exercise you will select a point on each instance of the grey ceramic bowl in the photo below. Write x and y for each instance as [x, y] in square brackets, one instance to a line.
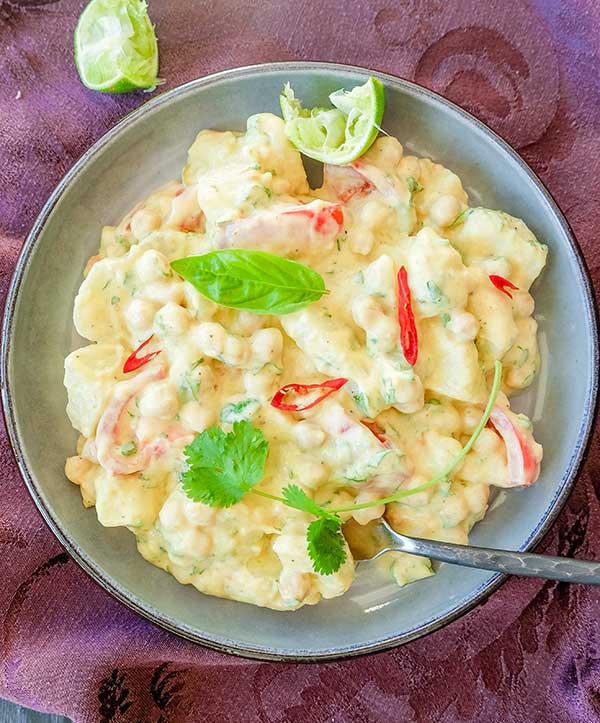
[143, 151]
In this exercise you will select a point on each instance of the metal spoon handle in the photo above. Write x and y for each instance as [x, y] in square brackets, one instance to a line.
[529, 564]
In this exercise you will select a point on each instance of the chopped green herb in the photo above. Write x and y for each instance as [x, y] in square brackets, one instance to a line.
[115, 300]
[238, 411]
[123, 241]
[523, 356]
[361, 402]
[413, 185]
[435, 293]
[461, 218]
[128, 448]
[435, 402]
[189, 386]
[445, 318]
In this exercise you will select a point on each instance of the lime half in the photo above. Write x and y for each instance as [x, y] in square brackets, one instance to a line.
[115, 46]
[337, 135]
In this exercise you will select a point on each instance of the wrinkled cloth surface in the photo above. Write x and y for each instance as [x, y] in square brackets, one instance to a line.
[531, 652]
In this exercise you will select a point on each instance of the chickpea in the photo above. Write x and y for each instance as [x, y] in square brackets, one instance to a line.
[464, 325]
[246, 322]
[444, 210]
[308, 435]
[198, 513]
[267, 345]
[453, 511]
[195, 543]
[152, 266]
[76, 468]
[171, 513]
[173, 318]
[411, 167]
[365, 310]
[163, 292]
[197, 417]
[139, 315]
[294, 585]
[386, 151]
[235, 351]
[210, 337]
[159, 399]
[419, 499]
[144, 222]
[260, 384]
[523, 303]
[476, 496]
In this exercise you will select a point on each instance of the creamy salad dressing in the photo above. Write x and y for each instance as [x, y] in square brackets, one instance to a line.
[218, 365]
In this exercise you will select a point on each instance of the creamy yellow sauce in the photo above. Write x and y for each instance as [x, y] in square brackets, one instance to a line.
[218, 365]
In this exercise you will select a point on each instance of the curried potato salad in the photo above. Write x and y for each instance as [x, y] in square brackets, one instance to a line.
[368, 389]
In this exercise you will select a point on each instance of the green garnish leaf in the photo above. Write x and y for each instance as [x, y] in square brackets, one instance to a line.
[326, 545]
[297, 498]
[435, 293]
[461, 218]
[413, 185]
[237, 411]
[189, 388]
[128, 448]
[223, 467]
[252, 280]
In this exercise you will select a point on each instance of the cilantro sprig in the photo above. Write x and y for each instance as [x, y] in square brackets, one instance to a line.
[221, 468]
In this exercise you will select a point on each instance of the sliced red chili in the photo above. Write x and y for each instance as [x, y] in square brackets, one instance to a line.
[375, 430]
[321, 217]
[503, 284]
[303, 390]
[406, 319]
[334, 212]
[134, 361]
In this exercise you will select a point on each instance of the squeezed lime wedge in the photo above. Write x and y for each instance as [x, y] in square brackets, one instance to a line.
[337, 135]
[115, 46]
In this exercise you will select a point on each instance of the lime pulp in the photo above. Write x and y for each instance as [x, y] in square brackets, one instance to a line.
[115, 46]
[337, 135]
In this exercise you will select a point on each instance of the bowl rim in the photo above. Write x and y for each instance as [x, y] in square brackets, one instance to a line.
[148, 611]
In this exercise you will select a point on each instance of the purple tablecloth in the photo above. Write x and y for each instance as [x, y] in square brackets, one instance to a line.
[532, 651]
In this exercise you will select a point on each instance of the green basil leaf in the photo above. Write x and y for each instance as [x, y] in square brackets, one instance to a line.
[252, 280]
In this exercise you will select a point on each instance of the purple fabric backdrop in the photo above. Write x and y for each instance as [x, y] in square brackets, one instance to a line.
[532, 651]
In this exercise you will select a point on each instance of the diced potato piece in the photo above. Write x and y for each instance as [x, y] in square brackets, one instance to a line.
[438, 279]
[90, 373]
[449, 366]
[497, 328]
[124, 501]
[485, 233]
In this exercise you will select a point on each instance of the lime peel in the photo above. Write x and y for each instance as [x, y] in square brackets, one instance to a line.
[115, 47]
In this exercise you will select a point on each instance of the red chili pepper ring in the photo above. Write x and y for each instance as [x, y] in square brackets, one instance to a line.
[303, 390]
[503, 284]
[134, 362]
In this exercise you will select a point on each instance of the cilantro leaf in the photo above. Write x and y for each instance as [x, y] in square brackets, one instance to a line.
[326, 545]
[297, 498]
[223, 467]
